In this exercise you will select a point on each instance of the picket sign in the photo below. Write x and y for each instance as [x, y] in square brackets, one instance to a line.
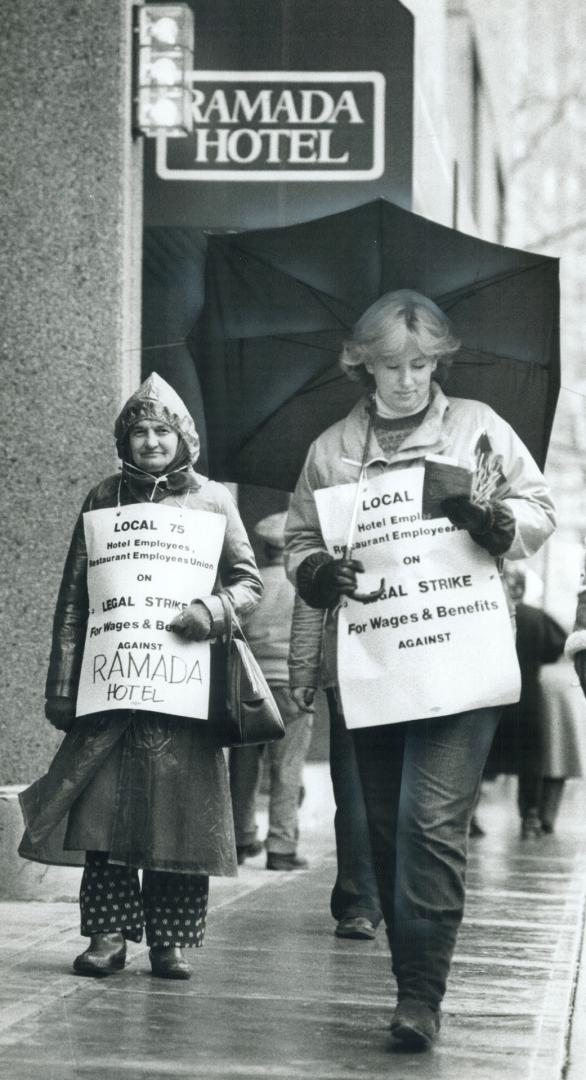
[146, 562]
[439, 640]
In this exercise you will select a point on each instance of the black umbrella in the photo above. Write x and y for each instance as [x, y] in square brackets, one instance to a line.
[280, 301]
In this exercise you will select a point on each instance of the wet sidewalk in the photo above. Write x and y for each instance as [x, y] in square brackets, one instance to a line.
[276, 995]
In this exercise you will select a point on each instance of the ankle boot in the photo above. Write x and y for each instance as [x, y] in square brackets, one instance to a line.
[168, 962]
[415, 1024]
[105, 954]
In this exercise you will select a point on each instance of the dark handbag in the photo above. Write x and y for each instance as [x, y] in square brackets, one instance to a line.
[246, 711]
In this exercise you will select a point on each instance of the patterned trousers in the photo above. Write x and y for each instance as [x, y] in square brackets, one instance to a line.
[172, 907]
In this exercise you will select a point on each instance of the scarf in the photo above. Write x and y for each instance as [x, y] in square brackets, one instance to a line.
[177, 480]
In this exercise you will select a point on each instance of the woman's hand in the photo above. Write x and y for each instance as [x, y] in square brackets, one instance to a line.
[60, 712]
[491, 525]
[322, 580]
[303, 697]
[194, 623]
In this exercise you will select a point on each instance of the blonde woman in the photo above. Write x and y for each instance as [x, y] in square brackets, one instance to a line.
[419, 778]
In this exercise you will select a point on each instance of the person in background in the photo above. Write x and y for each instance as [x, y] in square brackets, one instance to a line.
[268, 632]
[520, 740]
[563, 713]
[354, 901]
[575, 648]
[567, 753]
[131, 789]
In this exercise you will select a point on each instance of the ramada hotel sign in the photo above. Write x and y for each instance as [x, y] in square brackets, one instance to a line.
[280, 126]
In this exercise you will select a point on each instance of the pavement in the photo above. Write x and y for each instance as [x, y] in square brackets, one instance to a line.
[276, 995]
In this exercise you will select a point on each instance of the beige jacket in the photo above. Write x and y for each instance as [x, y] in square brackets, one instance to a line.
[451, 427]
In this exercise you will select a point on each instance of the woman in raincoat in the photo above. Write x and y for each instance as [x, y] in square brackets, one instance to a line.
[130, 788]
[420, 777]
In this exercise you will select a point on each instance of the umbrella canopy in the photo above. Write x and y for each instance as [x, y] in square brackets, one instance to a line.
[280, 301]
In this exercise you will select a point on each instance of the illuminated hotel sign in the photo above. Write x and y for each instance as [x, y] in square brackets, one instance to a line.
[280, 126]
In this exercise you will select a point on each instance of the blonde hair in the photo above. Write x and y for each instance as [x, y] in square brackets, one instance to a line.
[396, 320]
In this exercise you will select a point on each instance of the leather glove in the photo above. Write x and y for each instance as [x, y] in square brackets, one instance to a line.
[60, 711]
[194, 623]
[491, 525]
[580, 666]
[322, 580]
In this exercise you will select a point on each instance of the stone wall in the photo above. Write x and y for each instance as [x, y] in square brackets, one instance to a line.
[70, 265]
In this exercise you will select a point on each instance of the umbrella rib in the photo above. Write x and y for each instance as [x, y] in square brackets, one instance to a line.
[475, 352]
[300, 392]
[475, 287]
[306, 389]
[292, 341]
[318, 294]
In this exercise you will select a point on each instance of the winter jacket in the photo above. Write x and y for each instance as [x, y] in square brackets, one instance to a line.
[149, 788]
[451, 427]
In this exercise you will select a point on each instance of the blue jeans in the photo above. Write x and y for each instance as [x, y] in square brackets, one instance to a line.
[355, 892]
[420, 781]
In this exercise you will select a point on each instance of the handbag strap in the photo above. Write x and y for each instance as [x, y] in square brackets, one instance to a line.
[229, 618]
[232, 622]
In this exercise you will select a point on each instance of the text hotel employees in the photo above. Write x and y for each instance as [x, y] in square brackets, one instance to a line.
[141, 788]
[419, 778]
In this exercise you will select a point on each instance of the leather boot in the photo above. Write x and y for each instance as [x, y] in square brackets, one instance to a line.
[415, 1024]
[422, 951]
[105, 955]
[168, 962]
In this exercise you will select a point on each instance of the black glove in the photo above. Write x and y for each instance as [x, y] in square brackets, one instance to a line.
[194, 623]
[322, 580]
[491, 525]
[580, 666]
[60, 711]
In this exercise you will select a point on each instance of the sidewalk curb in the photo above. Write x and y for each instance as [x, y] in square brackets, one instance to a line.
[575, 1045]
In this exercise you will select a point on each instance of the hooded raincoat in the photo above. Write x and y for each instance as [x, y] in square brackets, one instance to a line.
[149, 788]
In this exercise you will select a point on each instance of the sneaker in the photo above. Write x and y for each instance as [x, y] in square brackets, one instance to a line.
[247, 851]
[357, 927]
[276, 861]
[415, 1024]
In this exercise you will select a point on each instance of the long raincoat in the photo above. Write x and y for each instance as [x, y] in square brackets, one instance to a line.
[149, 788]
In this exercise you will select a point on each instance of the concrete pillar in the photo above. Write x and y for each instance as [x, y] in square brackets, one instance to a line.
[70, 349]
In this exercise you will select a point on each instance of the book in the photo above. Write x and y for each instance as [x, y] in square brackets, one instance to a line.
[441, 479]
